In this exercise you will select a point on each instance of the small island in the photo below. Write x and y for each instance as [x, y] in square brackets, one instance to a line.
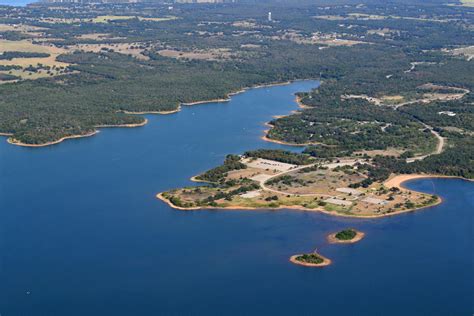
[310, 260]
[346, 236]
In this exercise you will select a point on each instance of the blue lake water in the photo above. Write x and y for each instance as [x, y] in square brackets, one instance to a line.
[81, 232]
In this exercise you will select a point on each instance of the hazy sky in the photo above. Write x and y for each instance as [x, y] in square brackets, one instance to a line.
[16, 2]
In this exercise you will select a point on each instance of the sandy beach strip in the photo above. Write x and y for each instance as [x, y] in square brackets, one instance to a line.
[398, 180]
[145, 122]
[289, 207]
[18, 143]
[265, 138]
[55, 142]
[152, 112]
[325, 262]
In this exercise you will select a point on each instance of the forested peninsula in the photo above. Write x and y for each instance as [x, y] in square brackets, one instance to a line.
[67, 69]
[395, 94]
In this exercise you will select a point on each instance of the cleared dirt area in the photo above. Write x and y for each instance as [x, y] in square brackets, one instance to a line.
[467, 52]
[266, 164]
[383, 32]
[374, 17]
[426, 93]
[322, 181]
[248, 24]
[249, 173]
[317, 39]
[210, 54]
[324, 188]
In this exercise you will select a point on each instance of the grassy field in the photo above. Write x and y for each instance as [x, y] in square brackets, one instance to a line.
[23, 46]
[27, 46]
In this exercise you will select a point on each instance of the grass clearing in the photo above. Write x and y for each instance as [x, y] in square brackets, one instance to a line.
[210, 54]
[467, 3]
[121, 48]
[27, 46]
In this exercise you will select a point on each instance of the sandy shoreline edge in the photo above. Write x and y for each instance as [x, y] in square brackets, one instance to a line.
[17, 143]
[396, 181]
[325, 262]
[333, 240]
[298, 101]
[178, 109]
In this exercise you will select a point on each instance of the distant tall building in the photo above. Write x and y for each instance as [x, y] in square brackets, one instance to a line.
[269, 16]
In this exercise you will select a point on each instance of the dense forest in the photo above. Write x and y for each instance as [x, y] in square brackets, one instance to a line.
[281, 156]
[393, 74]
[100, 86]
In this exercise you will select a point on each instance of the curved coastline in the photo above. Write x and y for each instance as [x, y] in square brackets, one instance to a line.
[12, 141]
[398, 180]
[333, 240]
[292, 207]
[195, 179]
[301, 105]
[178, 109]
[228, 96]
[281, 142]
[153, 112]
[265, 138]
[326, 261]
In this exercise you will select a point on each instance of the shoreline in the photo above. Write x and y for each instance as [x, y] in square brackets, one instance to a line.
[195, 179]
[228, 96]
[265, 138]
[17, 143]
[398, 180]
[55, 142]
[282, 142]
[325, 262]
[301, 208]
[178, 109]
[153, 112]
[298, 101]
[333, 240]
